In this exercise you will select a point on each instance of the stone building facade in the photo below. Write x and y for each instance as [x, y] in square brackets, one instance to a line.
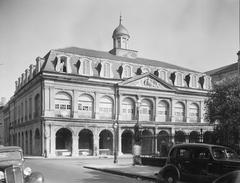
[68, 103]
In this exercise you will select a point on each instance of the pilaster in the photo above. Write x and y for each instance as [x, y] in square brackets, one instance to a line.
[75, 104]
[75, 145]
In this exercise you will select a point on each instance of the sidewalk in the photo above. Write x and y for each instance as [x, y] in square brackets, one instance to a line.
[137, 171]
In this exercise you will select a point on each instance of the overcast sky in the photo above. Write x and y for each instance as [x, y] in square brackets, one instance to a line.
[198, 34]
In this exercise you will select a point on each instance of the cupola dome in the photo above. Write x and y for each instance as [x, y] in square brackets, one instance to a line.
[120, 31]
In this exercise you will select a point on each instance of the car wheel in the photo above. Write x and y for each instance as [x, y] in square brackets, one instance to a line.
[170, 177]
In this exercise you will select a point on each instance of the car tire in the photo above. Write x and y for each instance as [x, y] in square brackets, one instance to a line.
[170, 177]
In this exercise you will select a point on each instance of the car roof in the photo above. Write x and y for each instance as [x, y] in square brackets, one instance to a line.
[198, 145]
[10, 148]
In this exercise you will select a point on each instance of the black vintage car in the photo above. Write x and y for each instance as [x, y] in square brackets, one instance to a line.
[198, 162]
[12, 167]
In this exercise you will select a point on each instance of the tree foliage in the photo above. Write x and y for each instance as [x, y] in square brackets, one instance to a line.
[223, 104]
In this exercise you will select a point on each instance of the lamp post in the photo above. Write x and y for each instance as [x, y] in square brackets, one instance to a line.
[137, 138]
[115, 128]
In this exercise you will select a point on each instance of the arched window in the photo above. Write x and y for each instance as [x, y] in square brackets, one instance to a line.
[127, 71]
[145, 70]
[106, 108]
[179, 112]
[86, 67]
[194, 81]
[163, 75]
[146, 110]
[85, 106]
[128, 109]
[179, 79]
[163, 111]
[63, 105]
[106, 70]
[194, 112]
[37, 105]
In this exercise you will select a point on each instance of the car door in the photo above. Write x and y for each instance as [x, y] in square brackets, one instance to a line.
[184, 162]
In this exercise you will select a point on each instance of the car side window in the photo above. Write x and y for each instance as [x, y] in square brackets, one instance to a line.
[201, 153]
[184, 153]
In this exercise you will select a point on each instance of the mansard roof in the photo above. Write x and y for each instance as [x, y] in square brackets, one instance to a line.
[107, 55]
[224, 69]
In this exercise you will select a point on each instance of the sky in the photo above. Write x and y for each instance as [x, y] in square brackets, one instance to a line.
[197, 34]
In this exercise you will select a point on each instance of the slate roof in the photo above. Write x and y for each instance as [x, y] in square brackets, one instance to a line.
[107, 55]
[224, 69]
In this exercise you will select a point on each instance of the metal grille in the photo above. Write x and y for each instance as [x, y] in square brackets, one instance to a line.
[14, 175]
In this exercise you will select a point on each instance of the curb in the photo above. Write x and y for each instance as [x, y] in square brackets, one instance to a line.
[137, 176]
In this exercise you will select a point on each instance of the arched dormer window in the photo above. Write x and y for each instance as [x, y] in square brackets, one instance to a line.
[194, 112]
[106, 70]
[85, 106]
[85, 67]
[63, 64]
[207, 83]
[179, 79]
[194, 81]
[63, 105]
[145, 70]
[163, 75]
[127, 73]
[106, 108]
[179, 112]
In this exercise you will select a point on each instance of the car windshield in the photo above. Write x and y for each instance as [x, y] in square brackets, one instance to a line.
[10, 156]
[224, 153]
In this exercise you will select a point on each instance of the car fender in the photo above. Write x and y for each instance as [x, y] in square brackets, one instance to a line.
[169, 167]
[35, 177]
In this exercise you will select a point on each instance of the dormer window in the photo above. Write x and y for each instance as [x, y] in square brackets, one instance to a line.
[194, 81]
[106, 70]
[127, 71]
[84, 66]
[145, 70]
[163, 75]
[179, 79]
[63, 64]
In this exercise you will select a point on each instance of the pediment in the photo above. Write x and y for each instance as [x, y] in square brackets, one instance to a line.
[147, 81]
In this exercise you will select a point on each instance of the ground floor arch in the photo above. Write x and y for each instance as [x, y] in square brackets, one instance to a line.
[127, 142]
[85, 142]
[147, 142]
[194, 137]
[105, 142]
[179, 137]
[64, 142]
[163, 140]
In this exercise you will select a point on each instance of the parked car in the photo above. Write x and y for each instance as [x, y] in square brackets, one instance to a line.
[12, 167]
[230, 177]
[198, 162]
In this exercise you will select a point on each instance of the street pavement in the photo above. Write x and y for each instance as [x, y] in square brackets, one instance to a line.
[87, 170]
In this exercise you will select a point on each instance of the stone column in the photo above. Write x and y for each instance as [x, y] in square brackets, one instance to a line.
[154, 109]
[75, 145]
[119, 141]
[96, 105]
[52, 150]
[155, 140]
[96, 143]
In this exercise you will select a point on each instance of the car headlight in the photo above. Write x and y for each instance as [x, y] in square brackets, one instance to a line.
[27, 171]
[1, 175]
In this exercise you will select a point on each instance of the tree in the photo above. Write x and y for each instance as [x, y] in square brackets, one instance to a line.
[223, 104]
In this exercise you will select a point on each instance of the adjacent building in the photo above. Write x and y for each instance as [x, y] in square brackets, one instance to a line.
[73, 100]
[2, 103]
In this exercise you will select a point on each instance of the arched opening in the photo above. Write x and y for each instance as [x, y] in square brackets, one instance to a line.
[26, 141]
[85, 106]
[63, 105]
[194, 112]
[147, 142]
[163, 111]
[63, 142]
[105, 142]
[146, 110]
[179, 112]
[163, 140]
[37, 145]
[127, 142]
[37, 105]
[128, 109]
[106, 108]
[179, 137]
[208, 137]
[31, 143]
[85, 142]
[194, 137]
